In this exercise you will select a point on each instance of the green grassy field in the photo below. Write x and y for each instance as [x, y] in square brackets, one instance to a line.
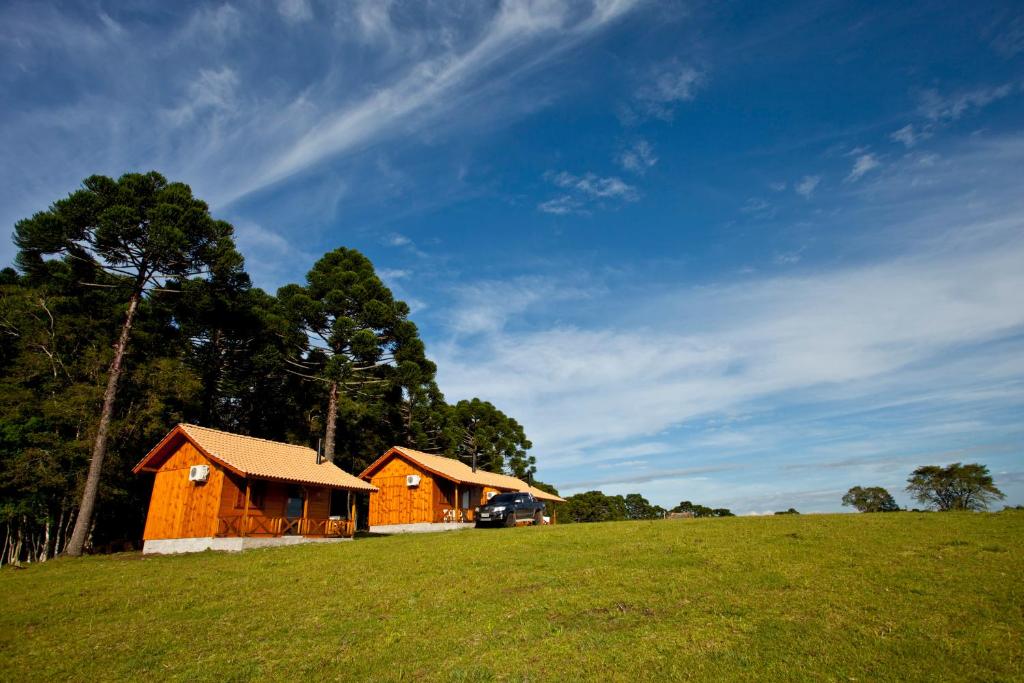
[837, 597]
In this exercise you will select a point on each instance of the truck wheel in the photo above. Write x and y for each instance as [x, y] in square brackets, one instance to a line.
[538, 518]
[511, 519]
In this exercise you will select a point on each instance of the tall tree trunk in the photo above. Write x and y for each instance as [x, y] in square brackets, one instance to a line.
[83, 522]
[332, 416]
[60, 528]
[44, 553]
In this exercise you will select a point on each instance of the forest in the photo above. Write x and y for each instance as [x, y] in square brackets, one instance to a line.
[129, 310]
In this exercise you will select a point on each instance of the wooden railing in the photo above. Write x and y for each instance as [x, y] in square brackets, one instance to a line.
[451, 515]
[258, 525]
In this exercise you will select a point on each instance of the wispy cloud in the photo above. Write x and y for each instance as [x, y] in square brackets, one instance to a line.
[295, 11]
[851, 337]
[593, 185]
[1009, 37]
[805, 186]
[639, 157]
[212, 90]
[909, 136]
[861, 165]
[586, 191]
[435, 86]
[666, 86]
[562, 206]
[950, 107]
[269, 256]
[240, 122]
[487, 306]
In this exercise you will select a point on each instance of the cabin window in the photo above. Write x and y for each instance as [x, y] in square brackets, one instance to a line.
[296, 503]
[257, 489]
[339, 504]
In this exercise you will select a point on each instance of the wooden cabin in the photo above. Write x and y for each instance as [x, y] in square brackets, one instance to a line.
[418, 491]
[221, 491]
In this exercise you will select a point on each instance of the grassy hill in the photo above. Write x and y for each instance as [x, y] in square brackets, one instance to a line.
[838, 597]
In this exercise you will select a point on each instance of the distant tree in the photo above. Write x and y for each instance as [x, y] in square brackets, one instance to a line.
[594, 506]
[956, 487]
[638, 507]
[483, 436]
[133, 235]
[870, 499]
[701, 510]
[790, 511]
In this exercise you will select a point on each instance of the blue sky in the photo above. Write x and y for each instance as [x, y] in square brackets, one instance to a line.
[746, 254]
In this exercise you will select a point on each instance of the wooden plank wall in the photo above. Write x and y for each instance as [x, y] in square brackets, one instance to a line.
[179, 508]
[396, 503]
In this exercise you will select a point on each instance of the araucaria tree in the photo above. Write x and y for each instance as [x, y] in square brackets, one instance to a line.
[870, 499]
[483, 436]
[356, 337]
[136, 235]
[956, 487]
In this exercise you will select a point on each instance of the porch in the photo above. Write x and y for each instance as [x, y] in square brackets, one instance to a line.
[229, 526]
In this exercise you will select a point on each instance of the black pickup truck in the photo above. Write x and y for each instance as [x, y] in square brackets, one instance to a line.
[506, 509]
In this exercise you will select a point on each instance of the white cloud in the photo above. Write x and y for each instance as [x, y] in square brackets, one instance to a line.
[393, 274]
[861, 165]
[436, 86]
[1009, 40]
[788, 258]
[592, 185]
[236, 123]
[270, 258]
[220, 24]
[397, 240]
[295, 11]
[664, 87]
[213, 89]
[950, 107]
[639, 157]
[909, 136]
[487, 306]
[633, 365]
[562, 206]
[585, 191]
[806, 186]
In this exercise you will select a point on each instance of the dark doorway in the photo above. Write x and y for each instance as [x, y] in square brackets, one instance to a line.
[339, 504]
[296, 503]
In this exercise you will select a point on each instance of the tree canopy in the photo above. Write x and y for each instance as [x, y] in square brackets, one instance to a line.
[870, 499]
[701, 510]
[131, 311]
[954, 487]
[135, 236]
[483, 436]
[356, 337]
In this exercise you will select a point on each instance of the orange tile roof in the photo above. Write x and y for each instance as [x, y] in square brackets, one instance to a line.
[460, 472]
[259, 458]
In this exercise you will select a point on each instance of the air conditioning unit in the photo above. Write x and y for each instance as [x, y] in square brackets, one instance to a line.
[199, 473]
[491, 494]
[412, 480]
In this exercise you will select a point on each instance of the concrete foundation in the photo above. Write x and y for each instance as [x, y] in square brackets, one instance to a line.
[170, 546]
[419, 528]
